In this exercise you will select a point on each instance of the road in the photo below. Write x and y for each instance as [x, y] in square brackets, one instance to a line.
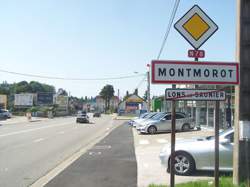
[110, 163]
[29, 150]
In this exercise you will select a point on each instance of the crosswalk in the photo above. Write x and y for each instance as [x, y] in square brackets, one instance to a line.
[155, 141]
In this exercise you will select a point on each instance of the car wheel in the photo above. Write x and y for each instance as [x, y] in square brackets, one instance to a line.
[184, 164]
[185, 127]
[152, 130]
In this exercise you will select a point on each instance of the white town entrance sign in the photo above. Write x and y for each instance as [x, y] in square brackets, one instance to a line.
[186, 72]
[195, 94]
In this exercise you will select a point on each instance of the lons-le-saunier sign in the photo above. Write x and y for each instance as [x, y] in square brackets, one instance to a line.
[186, 72]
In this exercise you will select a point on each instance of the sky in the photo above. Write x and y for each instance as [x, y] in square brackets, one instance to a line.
[102, 39]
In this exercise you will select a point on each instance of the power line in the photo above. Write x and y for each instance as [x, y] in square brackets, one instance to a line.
[140, 83]
[72, 79]
[176, 5]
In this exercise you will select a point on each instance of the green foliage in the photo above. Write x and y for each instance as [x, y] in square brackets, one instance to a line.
[107, 93]
[224, 182]
[25, 87]
[33, 109]
[62, 92]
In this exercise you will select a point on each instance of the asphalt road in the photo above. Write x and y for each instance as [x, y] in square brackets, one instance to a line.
[110, 163]
[28, 150]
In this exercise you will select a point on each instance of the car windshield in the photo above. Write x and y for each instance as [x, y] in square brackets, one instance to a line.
[144, 115]
[158, 116]
[150, 115]
[222, 133]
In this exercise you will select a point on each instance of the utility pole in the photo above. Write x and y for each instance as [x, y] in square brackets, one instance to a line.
[241, 160]
[148, 91]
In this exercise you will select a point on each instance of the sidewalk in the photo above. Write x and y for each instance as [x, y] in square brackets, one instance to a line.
[110, 163]
[21, 119]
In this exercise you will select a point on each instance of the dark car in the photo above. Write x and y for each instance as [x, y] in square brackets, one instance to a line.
[4, 114]
[82, 118]
[97, 114]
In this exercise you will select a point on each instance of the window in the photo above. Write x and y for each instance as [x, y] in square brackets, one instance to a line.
[230, 137]
[167, 117]
[180, 116]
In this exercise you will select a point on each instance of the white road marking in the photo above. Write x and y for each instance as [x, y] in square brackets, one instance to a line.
[61, 132]
[31, 130]
[162, 140]
[146, 165]
[143, 142]
[179, 138]
[107, 129]
[38, 140]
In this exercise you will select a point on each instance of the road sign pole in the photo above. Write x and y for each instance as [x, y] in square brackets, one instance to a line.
[197, 121]
[216, 145]
[172, 158]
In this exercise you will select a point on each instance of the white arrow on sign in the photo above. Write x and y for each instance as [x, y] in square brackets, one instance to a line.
[186, 72]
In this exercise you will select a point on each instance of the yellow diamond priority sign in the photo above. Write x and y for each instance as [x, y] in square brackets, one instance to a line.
[196, 27]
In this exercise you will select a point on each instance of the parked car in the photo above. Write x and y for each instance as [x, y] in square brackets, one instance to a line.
[198, 154]
[97, 114]
[147, 117]
[142, 116]
[4, 114]
[82, 118]
[162, 122]
[154, 118]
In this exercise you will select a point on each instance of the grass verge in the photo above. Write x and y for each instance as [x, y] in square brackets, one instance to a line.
[224, 182]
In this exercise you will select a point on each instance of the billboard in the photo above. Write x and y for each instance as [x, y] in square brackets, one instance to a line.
[3, 101]
[61, 100]
[24, 99]
[44, 98]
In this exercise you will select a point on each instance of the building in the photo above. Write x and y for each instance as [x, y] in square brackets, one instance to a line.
[100, 103]
[132, 105]
[203, 112]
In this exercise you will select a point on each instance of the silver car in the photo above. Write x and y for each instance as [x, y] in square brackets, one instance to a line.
[162, 122]
[147, 117]
[198, 154]
[142, 116]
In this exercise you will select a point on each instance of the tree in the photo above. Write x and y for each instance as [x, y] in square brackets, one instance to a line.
[107, 93]
[62, 92]
[136, 91]
[127, 95]
[23, 87]
[145, 96]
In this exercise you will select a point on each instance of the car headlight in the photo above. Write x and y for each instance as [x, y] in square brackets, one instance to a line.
[145, 125]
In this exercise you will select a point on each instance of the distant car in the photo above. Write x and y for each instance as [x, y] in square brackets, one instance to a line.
[198, 154]
[82, 118]
[162, 122]
[4, 114]
[97, 114]
[81, 112]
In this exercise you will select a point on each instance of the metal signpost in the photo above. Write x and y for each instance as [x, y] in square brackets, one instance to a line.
[196, 95]
[196, 27]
